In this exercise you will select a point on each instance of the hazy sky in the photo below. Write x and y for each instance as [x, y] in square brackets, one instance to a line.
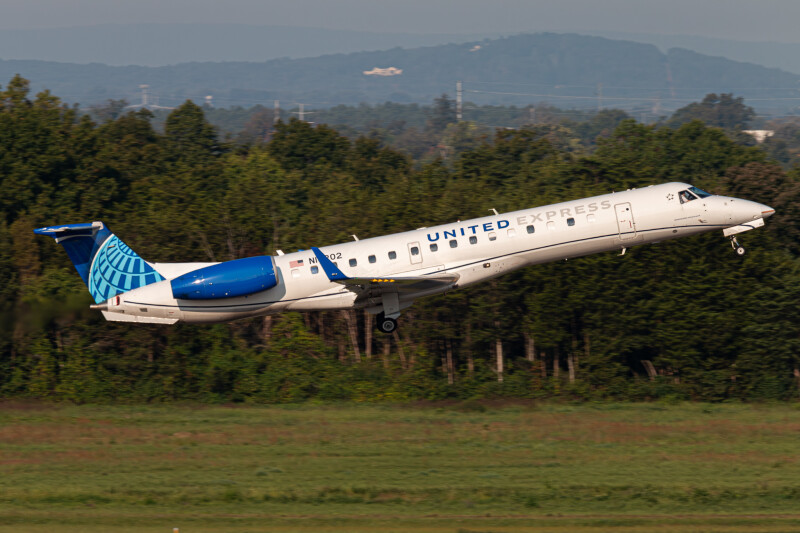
[772, 20]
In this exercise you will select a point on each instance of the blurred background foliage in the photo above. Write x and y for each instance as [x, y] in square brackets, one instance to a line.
[685, 319]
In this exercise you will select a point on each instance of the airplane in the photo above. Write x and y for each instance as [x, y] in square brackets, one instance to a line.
[387, 274]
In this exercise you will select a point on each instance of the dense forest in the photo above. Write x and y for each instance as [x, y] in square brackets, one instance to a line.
[684, 319]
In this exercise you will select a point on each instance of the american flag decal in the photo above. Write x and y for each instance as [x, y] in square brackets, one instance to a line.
[295, 264]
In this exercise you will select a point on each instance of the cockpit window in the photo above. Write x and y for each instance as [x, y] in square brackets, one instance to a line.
[686, 196]
[700, 192]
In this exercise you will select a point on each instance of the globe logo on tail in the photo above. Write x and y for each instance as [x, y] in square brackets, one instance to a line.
[117, 269]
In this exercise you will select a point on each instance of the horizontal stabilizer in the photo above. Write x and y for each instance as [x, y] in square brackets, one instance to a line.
[69, 230]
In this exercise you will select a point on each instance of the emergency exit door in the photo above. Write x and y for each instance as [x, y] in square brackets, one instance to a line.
[414, 253]
[625, 222]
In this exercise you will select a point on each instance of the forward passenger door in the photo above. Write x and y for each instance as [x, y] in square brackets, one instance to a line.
[625, 222]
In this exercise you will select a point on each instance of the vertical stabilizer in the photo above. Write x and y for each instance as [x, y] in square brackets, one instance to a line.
[105, 263]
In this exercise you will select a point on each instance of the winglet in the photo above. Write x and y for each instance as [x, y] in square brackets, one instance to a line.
[331, 270]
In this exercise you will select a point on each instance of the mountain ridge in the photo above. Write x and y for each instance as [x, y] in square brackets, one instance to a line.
[569, 69]
[164, 44]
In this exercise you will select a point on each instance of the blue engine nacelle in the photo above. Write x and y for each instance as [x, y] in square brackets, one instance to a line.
[226, 280]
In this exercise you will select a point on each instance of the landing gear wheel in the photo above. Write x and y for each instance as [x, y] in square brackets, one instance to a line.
[738, 248]
[386, 325]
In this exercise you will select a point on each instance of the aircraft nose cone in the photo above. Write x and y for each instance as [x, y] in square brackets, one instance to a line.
[766, 211]
[744, 211]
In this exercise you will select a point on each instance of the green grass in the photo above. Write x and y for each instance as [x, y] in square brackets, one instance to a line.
[631, 467]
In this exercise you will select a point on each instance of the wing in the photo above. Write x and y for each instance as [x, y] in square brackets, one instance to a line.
[404, 284]
[399, 284]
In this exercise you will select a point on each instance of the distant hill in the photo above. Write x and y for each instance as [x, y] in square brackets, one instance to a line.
[566, 70]
[785, 56]
[158, 45]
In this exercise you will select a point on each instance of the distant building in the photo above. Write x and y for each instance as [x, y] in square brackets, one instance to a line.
[391, 71]
[760, 135]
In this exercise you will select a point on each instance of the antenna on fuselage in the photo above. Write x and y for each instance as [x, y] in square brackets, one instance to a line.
[494, 210]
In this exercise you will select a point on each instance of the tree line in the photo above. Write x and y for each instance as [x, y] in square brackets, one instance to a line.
[685, 319]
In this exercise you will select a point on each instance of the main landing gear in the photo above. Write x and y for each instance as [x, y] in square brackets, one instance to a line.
[738, 248]
[387, 318]
[385, 324]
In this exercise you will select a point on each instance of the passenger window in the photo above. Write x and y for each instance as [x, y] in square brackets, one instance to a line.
[512, 232]
[353, 262]
[530, 228]
[414, 250]
[570, 222]
[453, 243]
[551, 225]
[295, 272]
[434, 247]
[590, 219]
[315, 270]
[372, 259]
[492, 236]
[473, 240]
[393, 255]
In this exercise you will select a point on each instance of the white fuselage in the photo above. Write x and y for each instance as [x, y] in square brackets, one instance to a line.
[475, 250]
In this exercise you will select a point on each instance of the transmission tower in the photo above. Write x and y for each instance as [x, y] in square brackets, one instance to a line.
[302, 113]
[459, 101]
[146, 101]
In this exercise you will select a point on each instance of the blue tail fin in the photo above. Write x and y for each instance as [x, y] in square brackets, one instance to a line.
[106, 264]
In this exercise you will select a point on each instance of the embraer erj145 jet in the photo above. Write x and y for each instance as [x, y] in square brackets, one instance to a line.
[386, 274]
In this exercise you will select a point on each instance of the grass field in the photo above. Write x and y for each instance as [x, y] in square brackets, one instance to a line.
[465, 468]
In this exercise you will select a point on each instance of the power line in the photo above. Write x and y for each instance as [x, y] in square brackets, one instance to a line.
[622, 98]
[640, 87]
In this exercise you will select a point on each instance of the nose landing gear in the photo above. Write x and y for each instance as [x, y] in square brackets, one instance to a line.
[738, 248]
